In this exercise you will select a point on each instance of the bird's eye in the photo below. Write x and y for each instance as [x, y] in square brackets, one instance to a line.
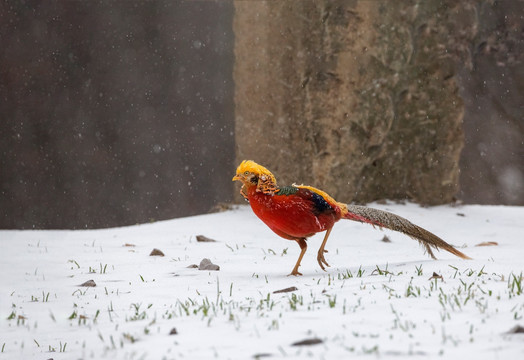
[246, 173]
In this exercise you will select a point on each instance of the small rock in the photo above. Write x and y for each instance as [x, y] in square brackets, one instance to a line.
[461, 214]
[307, 342]
[89, 283]
[517, 329]
[436, 276]
[202, 238]
[488, 243]
[206, 264]
[156, 252]
[129, 245]
[386, 239]
[289, 289]
[262, 355]
[193, 266]
[173, 331]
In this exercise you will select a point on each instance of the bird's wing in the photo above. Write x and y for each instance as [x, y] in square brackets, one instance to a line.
[320, 201]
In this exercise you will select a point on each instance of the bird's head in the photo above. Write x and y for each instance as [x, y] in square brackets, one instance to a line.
[252, 174]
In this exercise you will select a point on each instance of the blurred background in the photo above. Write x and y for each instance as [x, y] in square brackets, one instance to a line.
[114, 112]
[122, 112]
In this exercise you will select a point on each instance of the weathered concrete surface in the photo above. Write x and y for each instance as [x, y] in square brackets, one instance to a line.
[355, 97]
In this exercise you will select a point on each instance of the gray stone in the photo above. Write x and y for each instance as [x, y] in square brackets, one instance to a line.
[206, 264]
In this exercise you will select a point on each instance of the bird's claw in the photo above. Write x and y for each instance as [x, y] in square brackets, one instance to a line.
[295, 273]
[321, 259]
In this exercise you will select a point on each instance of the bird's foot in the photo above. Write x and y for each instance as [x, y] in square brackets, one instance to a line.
[295, 273]
[321, 259]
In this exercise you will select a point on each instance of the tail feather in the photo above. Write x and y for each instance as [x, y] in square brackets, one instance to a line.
[397, 223]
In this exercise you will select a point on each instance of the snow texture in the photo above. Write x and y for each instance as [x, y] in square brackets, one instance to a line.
[378, 299]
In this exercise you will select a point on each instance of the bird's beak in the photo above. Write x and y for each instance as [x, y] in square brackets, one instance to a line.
[236, 177]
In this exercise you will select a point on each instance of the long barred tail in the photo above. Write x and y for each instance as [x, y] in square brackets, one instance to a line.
[397, 223]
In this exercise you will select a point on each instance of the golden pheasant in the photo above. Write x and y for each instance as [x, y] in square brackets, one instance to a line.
[297, 212]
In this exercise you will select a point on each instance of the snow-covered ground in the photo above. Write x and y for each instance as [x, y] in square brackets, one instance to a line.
[377, 300]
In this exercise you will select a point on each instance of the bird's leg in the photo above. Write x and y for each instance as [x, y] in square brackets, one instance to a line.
[320, 256]
[303, 247]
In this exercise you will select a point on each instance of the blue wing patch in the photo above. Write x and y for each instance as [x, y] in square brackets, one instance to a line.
[321, 205]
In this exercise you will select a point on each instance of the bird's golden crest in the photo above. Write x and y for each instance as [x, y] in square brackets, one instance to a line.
[267, 183]
[253, 167]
